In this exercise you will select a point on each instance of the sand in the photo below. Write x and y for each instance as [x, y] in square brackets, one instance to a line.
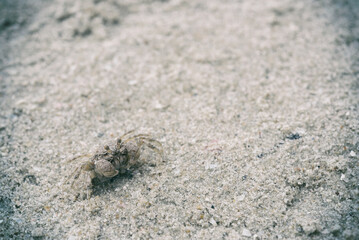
[255, 104]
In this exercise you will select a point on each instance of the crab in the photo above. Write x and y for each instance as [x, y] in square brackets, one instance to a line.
[112, 159]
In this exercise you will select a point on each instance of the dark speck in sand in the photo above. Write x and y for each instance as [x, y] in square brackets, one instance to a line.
[293, 136]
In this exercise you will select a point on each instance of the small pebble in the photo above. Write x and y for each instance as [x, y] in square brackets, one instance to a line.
[256, 237]
[211, 166]
[132, 83]
[213, 222]
[157, 105]
[246, 233]
[241, 197]
[352, 154]
[343, 178]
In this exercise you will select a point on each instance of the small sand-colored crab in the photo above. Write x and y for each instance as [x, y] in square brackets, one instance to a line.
[113, 159]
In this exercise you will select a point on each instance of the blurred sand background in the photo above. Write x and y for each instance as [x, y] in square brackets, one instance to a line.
[255, 103]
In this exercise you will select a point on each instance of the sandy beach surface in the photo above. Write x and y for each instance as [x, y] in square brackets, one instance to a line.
[255, 104]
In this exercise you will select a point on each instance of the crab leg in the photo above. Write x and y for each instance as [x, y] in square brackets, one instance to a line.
[77, 157]
[126, 134]
[151, 143]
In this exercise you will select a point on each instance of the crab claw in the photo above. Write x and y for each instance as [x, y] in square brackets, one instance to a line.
[105, 169]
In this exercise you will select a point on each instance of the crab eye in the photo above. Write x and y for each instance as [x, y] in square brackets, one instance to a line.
[106, 147]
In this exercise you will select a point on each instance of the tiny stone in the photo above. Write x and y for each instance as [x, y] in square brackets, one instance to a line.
[256, 237]
[352, 154]
[213, 222]
[241, 197]
[30, 179]
[246, 232]
[158, 105]
[133, 82]
[342, 177]
[211, 166]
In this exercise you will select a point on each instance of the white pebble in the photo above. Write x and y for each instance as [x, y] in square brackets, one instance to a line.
[352, 154]
[241, 198]
[213, 222]
[343, 178]
[246, 232]
[132, 83]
